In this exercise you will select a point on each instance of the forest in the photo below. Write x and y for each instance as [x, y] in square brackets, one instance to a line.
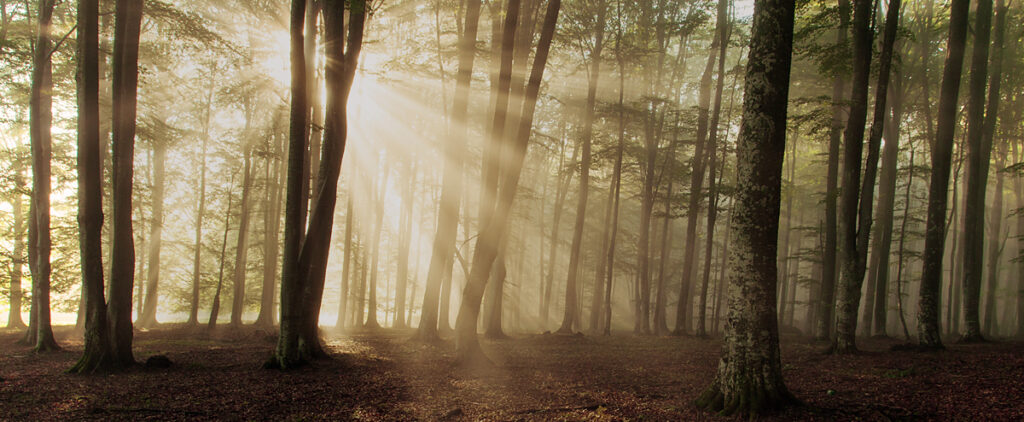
[511, 209]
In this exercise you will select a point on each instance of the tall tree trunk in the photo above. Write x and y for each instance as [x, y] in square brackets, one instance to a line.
[571, 299]
[683, 311]
[564, 179]
[156, 226]
[127, 26]
[41, 120]
[451, 185]
[193, 317]
[288, 352]
[855, 214]
[988, 135]
[826, 303]
[749, 379]
[97, 355]
[979, 152]
[467, 346]
[342, 55]
[876, 309]
[934, 244]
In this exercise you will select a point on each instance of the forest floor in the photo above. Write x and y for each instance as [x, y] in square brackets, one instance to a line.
[382, 375]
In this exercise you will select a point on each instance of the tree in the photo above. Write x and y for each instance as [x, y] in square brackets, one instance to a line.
[451, 185]
[929, 336]
[304, 271]
[98, 351]
[749, 379]
[125, 76]
[979, 152]
[698, 164]
[571, 299]
[724, 30]
[855, 211]
[40, 334]
[148, 317]
[492, 231]
[826, 302]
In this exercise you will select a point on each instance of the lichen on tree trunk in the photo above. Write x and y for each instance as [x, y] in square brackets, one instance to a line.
[749, 379]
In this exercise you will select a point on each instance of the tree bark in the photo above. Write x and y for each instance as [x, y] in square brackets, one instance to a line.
[41, 118]
[934, 245]
[749, 380]
[979, 152]
[988, 135]
[97, 355]
[856, 228]
[826, 303]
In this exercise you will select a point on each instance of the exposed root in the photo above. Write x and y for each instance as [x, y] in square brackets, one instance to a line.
[750, 401]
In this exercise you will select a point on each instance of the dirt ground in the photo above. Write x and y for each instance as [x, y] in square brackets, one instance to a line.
[383, 375]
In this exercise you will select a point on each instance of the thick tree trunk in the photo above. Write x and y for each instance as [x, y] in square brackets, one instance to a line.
[848, 290]
[128, 15]
[979, 151]
[287, 353]
[934, 245]
[97, 355]
[749, 380]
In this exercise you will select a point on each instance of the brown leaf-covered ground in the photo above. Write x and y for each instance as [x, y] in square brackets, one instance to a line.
[385, 376]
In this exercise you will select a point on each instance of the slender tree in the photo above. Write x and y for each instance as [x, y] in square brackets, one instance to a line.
[826, 301]
[979, 152]
[41, 118]
[929, 336]
[467, 346]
